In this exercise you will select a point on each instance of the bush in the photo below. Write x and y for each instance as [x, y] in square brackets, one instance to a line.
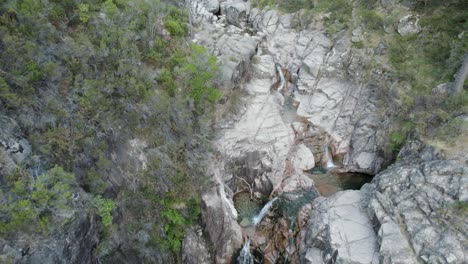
[398, 137]
[31, 208]
[371, 19]
[105, 208]
[7, 96]
[176, 22]
[199, 73]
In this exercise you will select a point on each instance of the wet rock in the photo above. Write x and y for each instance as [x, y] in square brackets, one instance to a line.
[409, 25]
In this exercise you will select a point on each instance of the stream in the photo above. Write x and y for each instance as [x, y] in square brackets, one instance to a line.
[327, 181]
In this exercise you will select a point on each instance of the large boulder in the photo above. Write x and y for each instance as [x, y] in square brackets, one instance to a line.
[302, 158]
[211, 6]
[409, 25]
[236, 12]
[339, 231]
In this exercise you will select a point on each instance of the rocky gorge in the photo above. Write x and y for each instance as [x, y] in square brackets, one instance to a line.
[233, 131]
[405, 215]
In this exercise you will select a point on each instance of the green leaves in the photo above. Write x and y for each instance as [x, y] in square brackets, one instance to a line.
[198, 76]
[7, 96]
[84, 12]
[105, 208]
[176, 22]
[28, 207]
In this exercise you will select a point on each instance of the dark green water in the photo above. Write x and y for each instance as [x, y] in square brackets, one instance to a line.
[328, 183]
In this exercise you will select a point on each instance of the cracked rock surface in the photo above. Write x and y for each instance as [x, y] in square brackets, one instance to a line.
[408, 214]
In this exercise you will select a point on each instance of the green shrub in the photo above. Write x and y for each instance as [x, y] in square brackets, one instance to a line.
[167, 81]
[7, 95]
[371, 19]
[176, 22]
[84, 12]
[199, 74]
[32, 208]
[398, 137]
[105, 208]
[175, 28]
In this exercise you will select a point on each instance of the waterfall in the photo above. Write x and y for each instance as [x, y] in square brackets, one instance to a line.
[330, 163]
[245, 257]
[263, 212]
[280, 73]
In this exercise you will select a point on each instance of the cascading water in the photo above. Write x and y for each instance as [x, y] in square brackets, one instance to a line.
[280, 73]
[263, 212]
[245, 257]
[282, 82]
[329, 157]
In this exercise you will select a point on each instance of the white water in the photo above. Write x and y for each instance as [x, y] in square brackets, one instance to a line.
[258, 218]
[245, 257]
[330, 163]
[280, 73]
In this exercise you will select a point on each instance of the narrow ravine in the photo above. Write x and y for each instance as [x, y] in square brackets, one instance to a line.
[274, 143]
[294, 155]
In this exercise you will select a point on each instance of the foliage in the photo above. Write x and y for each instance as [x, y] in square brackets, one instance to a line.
[84, 12]
[398, 136]
[176, 22]
[29, 206]
[425, 60]
[7, 95]
[371, 19]
[105, 208]
[83, 78]
[176, 216]
[199, 72]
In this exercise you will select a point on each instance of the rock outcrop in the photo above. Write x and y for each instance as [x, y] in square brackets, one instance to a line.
[194, 248]
[73, 245]
[415, 212]
[219, 218]
[339, 231]
[13, 147]
[410, 213]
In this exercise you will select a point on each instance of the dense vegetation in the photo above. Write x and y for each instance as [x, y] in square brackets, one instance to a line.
[89, 82]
